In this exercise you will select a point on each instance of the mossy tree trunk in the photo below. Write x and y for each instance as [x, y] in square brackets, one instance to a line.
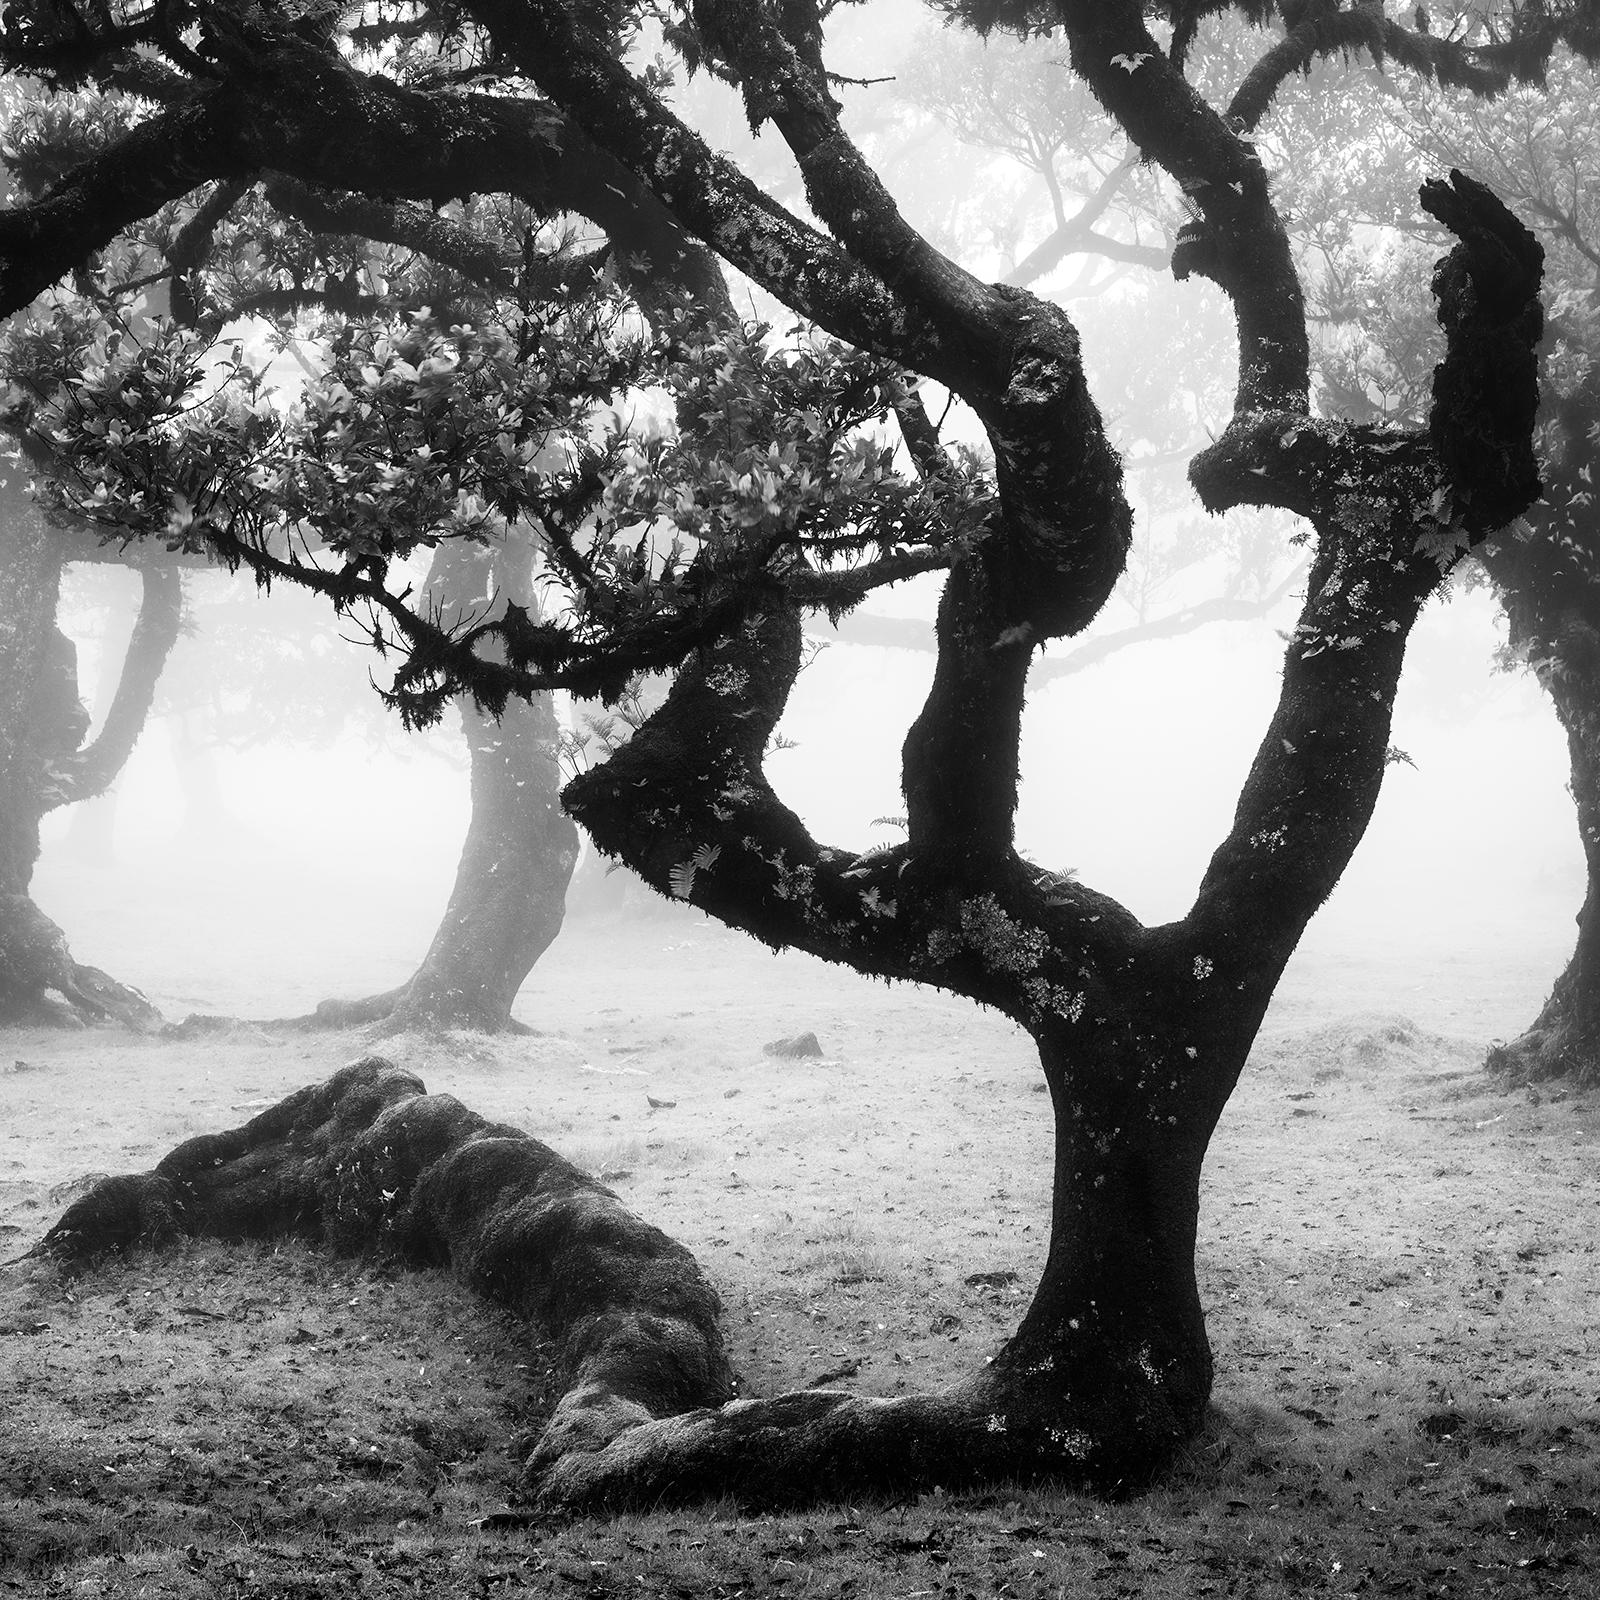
[45, 763]
[1142, 1031]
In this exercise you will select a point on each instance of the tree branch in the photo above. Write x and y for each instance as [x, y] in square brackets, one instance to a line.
[1324, 29]
[1239, 241]
[298, 109]
[1393, 509]
[413, 227]
[94, 768]
[1077, 234]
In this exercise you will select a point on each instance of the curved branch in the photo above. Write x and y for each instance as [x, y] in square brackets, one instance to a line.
[1484, 70]
[298, 109]
[94, 768]
[1077, 235]
[1378, 498]
[1075, 240]
[411, 226]
[1240, 242]
[777, 57]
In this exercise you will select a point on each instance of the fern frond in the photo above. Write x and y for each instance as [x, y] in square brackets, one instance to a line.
[860, 865]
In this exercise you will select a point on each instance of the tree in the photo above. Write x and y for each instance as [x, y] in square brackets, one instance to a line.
[236, 253]
[47, 759]
[509, 897]
[780, 501]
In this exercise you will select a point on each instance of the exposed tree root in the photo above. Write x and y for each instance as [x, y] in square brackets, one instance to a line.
[42, 986]
[384, 1015]
[1002, 1426]
[1556, 1045]
[369, 1161]
[399, 1011]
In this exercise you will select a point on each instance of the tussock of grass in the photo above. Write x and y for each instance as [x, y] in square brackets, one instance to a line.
[841, 1253]
[616, 1160]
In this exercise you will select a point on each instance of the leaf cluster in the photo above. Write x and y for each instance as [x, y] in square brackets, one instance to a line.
[675, 484]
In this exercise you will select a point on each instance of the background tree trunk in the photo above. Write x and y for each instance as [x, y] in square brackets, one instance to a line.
[1565, 1036]
[510, 890]
[44, 764]
[1548, 583]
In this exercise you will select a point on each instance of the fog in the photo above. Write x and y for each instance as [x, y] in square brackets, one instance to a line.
[311, 854]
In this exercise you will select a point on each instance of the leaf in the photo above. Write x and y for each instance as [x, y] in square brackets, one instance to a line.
[1442, 542]
[681, 879]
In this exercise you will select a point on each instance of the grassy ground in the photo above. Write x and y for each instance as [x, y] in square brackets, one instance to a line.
[1397, 1258]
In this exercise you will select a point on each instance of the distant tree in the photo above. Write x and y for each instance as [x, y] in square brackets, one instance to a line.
[778, 494]
[287, 249]
[47, 759]
[509, 896]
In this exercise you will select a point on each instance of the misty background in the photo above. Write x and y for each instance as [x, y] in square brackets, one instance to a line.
[277, 838]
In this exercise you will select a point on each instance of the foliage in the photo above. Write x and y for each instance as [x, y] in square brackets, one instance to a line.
[412, 433]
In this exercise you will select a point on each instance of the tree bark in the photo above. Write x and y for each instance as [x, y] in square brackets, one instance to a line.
[1548, 584]
[44, 764]
[509, 898]
[1564, 1039]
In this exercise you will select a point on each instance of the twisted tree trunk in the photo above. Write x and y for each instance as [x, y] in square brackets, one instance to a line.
[44, 764]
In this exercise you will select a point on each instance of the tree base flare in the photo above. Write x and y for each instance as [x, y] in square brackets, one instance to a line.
[42, 986]
[404, 1010]
[383, 1016]
[1547, 1050]
[799, 1448]
[1563, 1041]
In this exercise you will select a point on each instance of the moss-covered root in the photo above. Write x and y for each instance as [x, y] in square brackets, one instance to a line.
[829, 1445]
[369, 1161]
